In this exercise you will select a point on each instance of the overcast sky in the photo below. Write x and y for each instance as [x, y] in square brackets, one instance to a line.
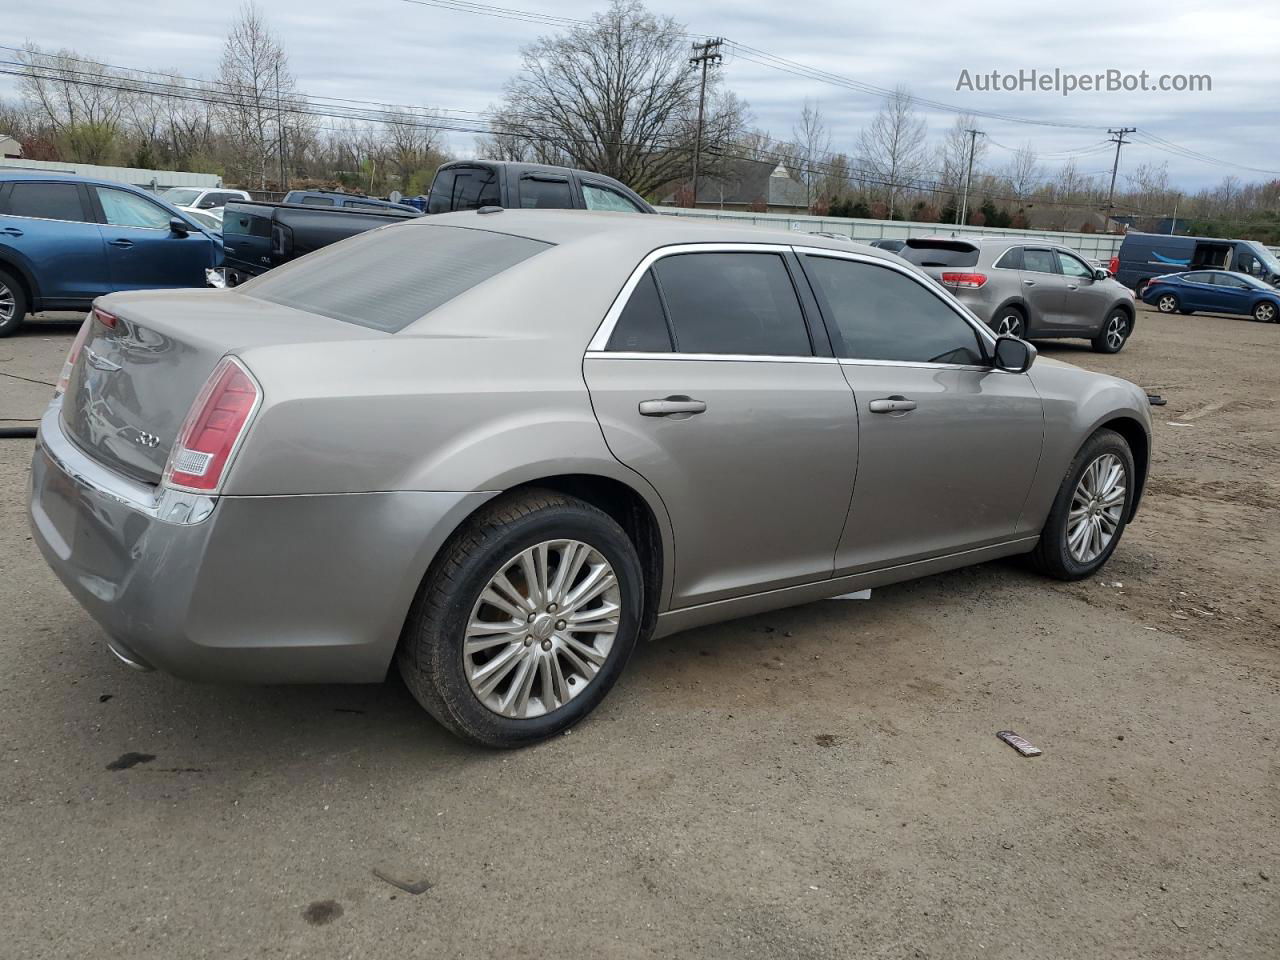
[394, 51]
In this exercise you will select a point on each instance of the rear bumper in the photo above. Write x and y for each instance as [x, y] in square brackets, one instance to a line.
[304, 589]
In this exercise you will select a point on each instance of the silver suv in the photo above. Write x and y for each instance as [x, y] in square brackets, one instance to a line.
[1028, 288]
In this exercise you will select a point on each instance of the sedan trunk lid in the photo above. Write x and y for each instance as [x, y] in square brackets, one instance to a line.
[146, 356]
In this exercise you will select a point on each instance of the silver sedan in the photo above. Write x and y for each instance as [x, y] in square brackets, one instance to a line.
[499, 448]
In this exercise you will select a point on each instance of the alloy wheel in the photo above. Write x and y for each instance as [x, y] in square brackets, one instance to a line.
[8, 303]
[542, 628]
[1266, 312]
[1097, 507]
[1010, 325]
[1167, 304]
[1116, 328]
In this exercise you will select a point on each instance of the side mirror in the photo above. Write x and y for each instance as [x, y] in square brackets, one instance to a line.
[206, 204]
[179, 227]
[1101, 274]
[1013, 355]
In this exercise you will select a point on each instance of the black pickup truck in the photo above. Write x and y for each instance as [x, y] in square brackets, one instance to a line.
[258, 236]
[471, 184]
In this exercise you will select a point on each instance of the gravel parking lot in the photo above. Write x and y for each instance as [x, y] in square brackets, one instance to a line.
[818, 782]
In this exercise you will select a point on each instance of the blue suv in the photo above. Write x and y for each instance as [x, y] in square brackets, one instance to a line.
[65, 240]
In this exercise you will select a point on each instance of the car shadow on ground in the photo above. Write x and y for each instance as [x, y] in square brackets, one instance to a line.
[231, 727]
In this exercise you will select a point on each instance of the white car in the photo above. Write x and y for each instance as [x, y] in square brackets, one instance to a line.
[203, 198]
[211, 218]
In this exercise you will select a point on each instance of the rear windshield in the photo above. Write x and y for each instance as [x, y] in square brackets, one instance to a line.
[940, 254]
[389, 277]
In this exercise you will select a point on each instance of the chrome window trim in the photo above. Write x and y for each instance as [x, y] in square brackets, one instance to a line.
[735, 357]
[923, 364]
[924, 280]
[600, 342]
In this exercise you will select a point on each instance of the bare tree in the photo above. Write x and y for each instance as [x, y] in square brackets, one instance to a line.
[617, 96]
[892, 148]
[953, 154]
[1024, 173]
[812, 143]
[255, 81]
[411, 147]
[83, 113]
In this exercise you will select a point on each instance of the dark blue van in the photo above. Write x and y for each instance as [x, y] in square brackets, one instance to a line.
[1146, 255]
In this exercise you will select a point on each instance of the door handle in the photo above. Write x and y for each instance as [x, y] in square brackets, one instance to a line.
[11, 231]
[672, 407]
[120, 242]
[1028, 283]
[1073, 286]
[894, 404]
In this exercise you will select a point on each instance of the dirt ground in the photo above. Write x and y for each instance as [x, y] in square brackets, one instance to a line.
[819, 782]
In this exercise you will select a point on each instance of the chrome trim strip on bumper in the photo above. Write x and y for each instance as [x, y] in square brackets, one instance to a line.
[160, 503]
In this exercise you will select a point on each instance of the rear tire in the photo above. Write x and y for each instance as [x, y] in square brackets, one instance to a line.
[1266, 312]
[1057, 554]
[1114, 334]
[1167, 303]
[1010, 322]
[13, 304]
[566, 671]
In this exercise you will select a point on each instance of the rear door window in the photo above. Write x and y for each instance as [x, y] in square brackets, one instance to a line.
[1039, 261]
[882, 314]
[365, 280]
[642, 326]
[47, 201]
[545, 193]
[741, 303]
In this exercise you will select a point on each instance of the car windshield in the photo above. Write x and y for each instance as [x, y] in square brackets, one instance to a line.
[181, 196]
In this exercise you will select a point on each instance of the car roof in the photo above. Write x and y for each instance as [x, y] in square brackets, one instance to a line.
[639, 233]
[19, 175]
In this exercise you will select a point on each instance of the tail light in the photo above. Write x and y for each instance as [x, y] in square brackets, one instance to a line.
[214, 427]
[64, 378]
[1114, 266]
[969, 281]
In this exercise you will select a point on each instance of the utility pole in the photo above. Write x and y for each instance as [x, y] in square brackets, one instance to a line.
[1174, 222]
[964, 204]
[1117, 137]
[703, 53]
[284, 177]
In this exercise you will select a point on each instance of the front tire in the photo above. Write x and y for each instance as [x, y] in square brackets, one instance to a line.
[1114, 334]
[1090, 511]
[1265, 312]
[13, 304]
[524, 621]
